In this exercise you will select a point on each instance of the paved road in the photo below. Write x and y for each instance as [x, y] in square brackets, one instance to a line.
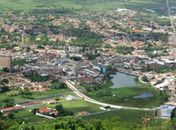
[171, 19]
[88, 99]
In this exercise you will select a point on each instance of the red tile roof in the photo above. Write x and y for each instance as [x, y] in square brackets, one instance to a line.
[44, 110]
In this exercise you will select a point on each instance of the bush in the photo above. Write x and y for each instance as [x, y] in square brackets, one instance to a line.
[58, 85]
[124, 50]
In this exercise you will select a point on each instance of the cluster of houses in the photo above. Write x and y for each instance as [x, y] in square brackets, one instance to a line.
[65, 62]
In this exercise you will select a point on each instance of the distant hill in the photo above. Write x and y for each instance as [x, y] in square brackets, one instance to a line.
[83, 5]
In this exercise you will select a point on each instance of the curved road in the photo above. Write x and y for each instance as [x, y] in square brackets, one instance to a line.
[88, 99]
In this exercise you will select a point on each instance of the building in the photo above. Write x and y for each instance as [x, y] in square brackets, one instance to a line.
[83, 113]
[166, 111]
[48, 111]
[13, 108]
[6, 61]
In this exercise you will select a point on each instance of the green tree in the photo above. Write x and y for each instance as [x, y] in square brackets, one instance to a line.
[144, 78]
[60, 108]
[11, 116]
[4, 81]
[124, 50]
[34, 111]
[173, 114]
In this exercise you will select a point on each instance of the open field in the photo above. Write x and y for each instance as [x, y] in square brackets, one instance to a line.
[27, 116]
[35, 95]
[125, 96]
[130, 116]
[82, 5]
[75, 106]
[78, 106]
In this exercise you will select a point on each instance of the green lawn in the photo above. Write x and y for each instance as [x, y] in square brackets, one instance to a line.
[125, 96]
[80, 105]
[77, 106]
[36, 95]
[28, 116]
[5, 95]
[131, 116]
[51, 93]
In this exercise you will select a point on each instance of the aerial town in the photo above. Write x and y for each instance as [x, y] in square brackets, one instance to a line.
[56, 64]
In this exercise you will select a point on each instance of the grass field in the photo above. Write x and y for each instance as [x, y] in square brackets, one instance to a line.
[131, 116]
[90, 5]
[77, 106]
[36, 95]
[125, 96]
[28, 116]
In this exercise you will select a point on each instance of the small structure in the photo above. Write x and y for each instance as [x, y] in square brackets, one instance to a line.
[13, 108]
[83, 113]
[166, 111]
[106, 108]
[48, 111]
[70, 98]
[50, 101]
[6, 61]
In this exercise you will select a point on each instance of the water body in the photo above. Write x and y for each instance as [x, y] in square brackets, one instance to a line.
[144, 95]
[123, 80]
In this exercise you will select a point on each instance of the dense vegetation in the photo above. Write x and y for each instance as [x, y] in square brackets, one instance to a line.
[84, 37]
[81, 124]
[8, 102]
[58, 85]
[124, 50]
[34, 77]
[19, 61]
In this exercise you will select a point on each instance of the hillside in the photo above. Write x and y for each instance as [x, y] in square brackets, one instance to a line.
[94, 124]
[83, 5]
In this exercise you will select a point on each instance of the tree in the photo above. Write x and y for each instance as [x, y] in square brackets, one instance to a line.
[1, 115]
[9, 102]
[60, 108]
[173, 114]
[124, 50]
[11, 116]
[57, 85]
[144, 78]
[19, 61]
[4, 81]
[6, 70]
[34, 111]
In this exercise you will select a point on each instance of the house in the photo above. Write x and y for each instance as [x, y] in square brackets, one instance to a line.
[50, 101]
[154, 64]
[48, 111]
[6, 61]
[100, 68]
[83, 113]
[87, 80]
[61, 61]
[139, 53]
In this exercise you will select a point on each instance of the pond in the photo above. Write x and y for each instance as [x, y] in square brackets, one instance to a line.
[120, 80]
[144, 95]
